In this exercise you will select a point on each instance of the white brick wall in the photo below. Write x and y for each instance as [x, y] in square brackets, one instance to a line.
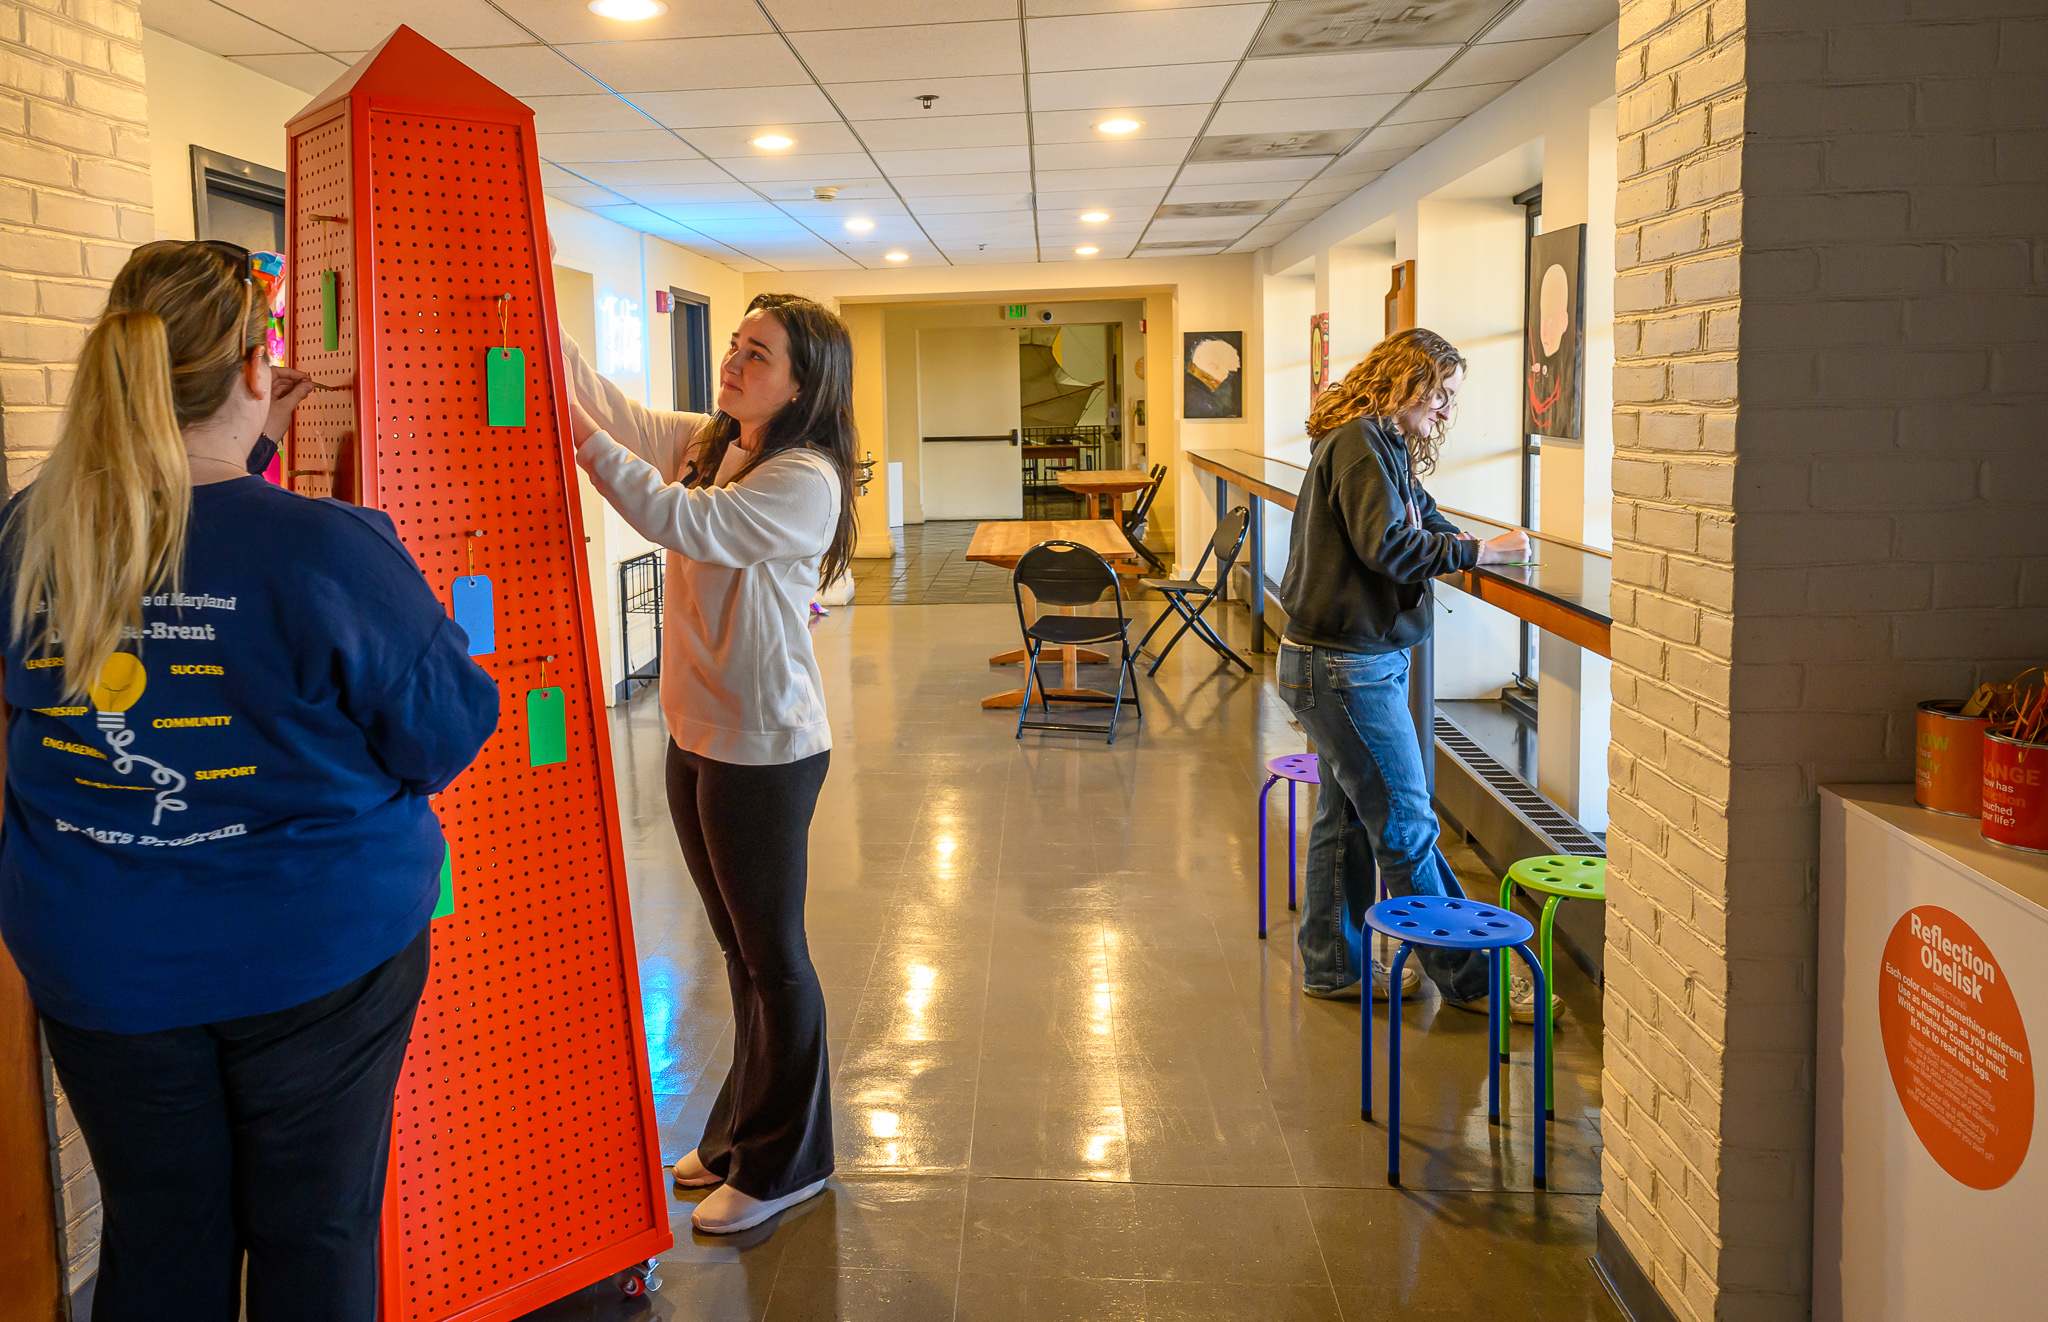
[74, 200]
[1831, 390]
[74, 196]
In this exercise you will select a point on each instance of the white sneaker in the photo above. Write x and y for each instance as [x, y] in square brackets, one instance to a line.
[1411, 982]
[692, 1173]
[1521, 1002]
[728, 1211]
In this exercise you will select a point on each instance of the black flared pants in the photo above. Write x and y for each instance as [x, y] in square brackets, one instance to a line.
[745, 832]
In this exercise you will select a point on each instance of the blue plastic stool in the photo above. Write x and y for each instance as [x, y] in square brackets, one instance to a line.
[1449, 924]
[1295, 769]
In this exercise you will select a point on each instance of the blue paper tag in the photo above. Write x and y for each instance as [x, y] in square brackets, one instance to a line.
[476, 613]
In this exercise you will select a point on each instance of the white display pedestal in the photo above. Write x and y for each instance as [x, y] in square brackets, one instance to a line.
[1930, 1193]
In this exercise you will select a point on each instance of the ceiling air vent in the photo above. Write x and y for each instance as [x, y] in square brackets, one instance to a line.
[1272, 146]
[1205, 210]
[1310, 27]
[1183, 245]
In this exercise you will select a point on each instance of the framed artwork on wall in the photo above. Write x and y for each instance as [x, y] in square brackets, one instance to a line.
[1554, 338]
[1212, 379]
[1318, 355]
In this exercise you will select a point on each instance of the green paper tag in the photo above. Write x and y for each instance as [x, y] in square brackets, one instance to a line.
[547, 728]
[505, 386]
[447, 904]
[330, 310]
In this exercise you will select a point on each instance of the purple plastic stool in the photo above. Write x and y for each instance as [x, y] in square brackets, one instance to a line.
[1295, 769]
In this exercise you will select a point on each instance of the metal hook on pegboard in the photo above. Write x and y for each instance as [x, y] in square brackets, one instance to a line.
[504, 321]
[544, 669]
[469, 545]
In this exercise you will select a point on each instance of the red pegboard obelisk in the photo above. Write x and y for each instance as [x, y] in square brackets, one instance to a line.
[525, 1161]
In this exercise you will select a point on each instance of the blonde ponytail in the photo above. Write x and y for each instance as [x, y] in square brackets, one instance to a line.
[103, 525]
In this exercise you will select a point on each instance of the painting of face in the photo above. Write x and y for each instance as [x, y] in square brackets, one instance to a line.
[1554, 341]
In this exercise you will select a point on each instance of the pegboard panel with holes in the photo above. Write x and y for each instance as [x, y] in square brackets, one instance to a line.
[323, 428]
[525, 1161]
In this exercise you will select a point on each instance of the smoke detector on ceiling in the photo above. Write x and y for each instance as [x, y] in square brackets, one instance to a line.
[825, 193]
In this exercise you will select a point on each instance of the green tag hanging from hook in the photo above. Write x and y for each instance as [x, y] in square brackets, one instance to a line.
[547, 727]
[505, 386]
[330, 310]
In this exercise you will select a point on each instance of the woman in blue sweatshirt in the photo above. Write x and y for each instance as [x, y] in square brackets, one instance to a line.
[226, 708]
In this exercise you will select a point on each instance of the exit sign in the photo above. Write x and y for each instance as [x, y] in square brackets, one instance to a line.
[1013, 311]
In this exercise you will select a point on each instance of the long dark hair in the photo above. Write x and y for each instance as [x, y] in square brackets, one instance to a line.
[819, 418]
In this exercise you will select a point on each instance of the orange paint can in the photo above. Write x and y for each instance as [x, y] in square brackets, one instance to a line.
[2015, 793]
[1948, 758]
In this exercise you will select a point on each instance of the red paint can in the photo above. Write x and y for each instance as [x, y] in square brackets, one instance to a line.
[1948, 758]
[2015, 793]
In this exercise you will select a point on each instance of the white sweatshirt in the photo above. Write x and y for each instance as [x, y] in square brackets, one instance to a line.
[739, 681]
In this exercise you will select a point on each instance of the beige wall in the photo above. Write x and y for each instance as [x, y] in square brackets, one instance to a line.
[1199, 293]
[200, 99]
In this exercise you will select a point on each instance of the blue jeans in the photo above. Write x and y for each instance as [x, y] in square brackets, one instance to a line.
[1372, 815]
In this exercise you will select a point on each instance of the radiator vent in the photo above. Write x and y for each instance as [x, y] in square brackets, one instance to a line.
[1546, 819]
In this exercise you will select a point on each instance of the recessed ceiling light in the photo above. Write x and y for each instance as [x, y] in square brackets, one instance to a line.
[1086, 252]
[1094, 217]
[630, 11]
[897, 256]
[773, 142]
[1119, 126]
[859, 223]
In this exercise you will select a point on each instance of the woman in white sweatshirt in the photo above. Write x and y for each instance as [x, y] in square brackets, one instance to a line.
[755, 506]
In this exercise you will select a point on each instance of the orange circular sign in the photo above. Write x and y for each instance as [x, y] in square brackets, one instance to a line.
[1956, 1046]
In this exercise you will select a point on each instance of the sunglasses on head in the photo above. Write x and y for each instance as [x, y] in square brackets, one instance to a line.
[236, 252]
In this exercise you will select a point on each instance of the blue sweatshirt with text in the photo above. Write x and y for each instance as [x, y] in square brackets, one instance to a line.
[236, 819]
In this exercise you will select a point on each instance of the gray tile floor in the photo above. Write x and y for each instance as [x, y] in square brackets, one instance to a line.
[1071, 1082]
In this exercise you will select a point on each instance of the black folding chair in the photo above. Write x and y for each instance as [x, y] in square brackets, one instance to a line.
[1069, 574]
[1188, 598]
[1136, 516]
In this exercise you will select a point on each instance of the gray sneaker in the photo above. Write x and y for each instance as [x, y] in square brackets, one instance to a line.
[1411, 982]
[1521, 1002]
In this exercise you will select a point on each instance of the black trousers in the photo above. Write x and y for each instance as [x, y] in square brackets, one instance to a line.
[745, 833]
[266, 1135]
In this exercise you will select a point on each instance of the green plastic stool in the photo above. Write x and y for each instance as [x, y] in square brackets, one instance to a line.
[1561, 877]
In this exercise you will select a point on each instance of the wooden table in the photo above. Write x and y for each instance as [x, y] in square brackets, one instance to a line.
[1106, 486]
[1004, 544]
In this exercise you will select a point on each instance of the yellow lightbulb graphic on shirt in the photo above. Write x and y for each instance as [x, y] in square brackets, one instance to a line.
[122, 679]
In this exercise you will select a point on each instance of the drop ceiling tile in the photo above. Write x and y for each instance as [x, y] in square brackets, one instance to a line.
[886, 135]
[1300, 27]
[1116, 89]
[1055, 8]
[699, 213]
[1103, 41]
[965, 185]
[993, 256]
[927, 206]
[1174, 121]
[1506, 62]
[1268, 194]
[557, 21]
[1554, 18]
[583, 195]
[874, 189]
[1446, 102]
[900, 165]
[554, 176]
[794, 104]
[811, 171]
[1239, 212]
[215, 28]
[677, 197]
[1303, 114]
[828, 137]
[626, 145]
[591, 113]
[1102, 236]
[897, 99]
[625, 174]
[629, 215]
[1117, 202]
[1246, 172]
[690, 64]
[926, 50]
[1128, 177]
[360, 25]
[815, 15]
[308, 73]
[528, 70]
[1332, 188]
[1111, 155]
[1396, 137]
[1222, 229]
[1356, 73]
